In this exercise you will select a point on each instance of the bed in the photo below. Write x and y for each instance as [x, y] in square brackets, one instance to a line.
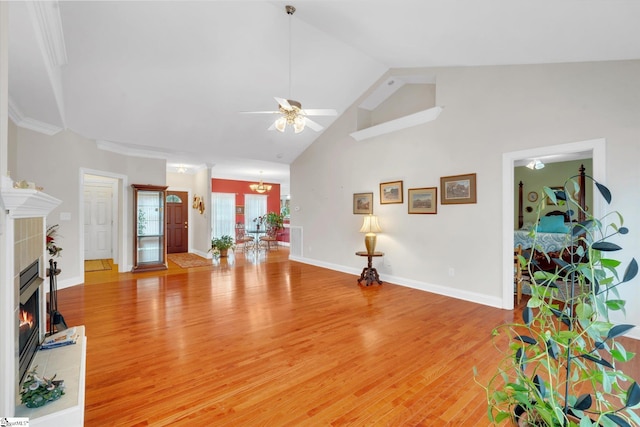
[552, 229]
[548, 241]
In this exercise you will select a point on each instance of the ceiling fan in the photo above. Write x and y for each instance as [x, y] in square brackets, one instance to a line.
[290, 111]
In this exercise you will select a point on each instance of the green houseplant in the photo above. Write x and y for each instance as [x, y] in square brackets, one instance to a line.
[560, 364]
[274, 220]
[221, 245]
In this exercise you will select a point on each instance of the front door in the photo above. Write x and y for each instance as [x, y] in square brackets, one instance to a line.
[177, 222]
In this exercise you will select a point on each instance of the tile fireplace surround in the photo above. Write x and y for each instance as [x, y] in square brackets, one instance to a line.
[24, 232]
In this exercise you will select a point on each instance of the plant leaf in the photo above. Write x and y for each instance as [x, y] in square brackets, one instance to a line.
[610, 263]
[618, 420]
[562, 317]
[633, 395]
[537, 381]
[521, 359]
[619, 330]
[604, 191]
[527, 315]
[615, 304]
[631, 271]
[602, 362]
[623, 230]
[527, 339]
[584, 402]
[552, 349]
[550, 194]
[606, 246]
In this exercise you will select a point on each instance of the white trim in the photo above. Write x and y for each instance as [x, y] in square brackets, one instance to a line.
[121, 256]
[405, 122]
[16, 116]
[598, 150]
[47, 26]
[50, 24]
[446, 291]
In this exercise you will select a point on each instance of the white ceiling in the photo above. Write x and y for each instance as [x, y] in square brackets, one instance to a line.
[169, 79]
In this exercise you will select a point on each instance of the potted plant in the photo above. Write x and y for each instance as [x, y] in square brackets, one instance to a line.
[221, 245]
[274, 220]
[260, 220]
[560, 364]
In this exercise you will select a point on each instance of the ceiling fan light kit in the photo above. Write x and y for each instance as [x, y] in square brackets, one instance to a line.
[291, 112]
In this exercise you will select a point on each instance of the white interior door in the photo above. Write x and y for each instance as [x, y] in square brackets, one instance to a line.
[98, 221]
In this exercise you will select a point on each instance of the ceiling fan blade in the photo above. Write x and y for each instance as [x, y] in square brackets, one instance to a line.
[283, 103]
[320, 112]
[272, 127]
[313, 125]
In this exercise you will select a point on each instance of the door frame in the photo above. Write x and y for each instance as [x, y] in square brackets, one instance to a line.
[120, 224]
[110, 184]
[189, 192]
[597, 147]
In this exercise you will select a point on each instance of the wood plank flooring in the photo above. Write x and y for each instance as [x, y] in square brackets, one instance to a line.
[271, 342]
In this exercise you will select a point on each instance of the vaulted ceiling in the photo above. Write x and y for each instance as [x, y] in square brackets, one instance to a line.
[169, 79]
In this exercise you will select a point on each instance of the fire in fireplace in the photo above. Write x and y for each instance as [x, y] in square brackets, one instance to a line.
[29, 316]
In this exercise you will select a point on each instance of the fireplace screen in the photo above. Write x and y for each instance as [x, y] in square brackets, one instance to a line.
[28, 316]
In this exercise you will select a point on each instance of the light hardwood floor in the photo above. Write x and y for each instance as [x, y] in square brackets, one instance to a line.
[274, 343]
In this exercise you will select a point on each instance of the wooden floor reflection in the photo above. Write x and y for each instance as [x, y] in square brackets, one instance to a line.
[271, 342]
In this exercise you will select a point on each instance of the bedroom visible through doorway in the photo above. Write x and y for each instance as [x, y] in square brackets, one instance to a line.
[595, 147]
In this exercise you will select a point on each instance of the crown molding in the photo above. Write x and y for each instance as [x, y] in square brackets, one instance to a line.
[47, 24]
[48, 18]
[16, 116]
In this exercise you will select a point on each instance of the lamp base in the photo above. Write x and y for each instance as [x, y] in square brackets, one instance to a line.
[370, 243]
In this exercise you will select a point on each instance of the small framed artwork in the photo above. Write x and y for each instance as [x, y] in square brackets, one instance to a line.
[363, 203]
[391, 192]
[239, 210]
[555, 190]
[423, 200]
[458, 189]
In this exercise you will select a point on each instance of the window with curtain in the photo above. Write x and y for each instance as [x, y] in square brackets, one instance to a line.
[223, 217]
[254, 206]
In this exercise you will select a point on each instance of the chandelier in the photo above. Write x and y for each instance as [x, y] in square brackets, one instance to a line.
[260, 187]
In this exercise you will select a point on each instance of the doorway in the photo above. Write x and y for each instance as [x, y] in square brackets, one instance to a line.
[99, 217]
[597, 148]
[177, 218]
[116, 227]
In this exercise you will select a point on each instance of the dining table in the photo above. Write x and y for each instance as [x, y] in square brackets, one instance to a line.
[256, 233]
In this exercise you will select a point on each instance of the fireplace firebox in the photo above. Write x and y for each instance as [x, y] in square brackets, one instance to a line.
[29, 316]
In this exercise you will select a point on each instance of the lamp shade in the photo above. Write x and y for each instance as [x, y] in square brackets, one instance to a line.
[280, 124]
[370, 225]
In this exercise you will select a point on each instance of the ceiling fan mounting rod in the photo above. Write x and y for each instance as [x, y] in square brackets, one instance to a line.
[290, 10]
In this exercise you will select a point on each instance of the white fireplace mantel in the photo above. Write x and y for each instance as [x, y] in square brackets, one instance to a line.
[27, 203]
[20, 204]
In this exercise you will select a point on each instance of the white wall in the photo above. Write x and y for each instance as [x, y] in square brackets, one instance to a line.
[54, 162]
[198, 184]
[488, 111]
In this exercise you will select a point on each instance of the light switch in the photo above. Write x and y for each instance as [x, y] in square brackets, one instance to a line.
[65, 216]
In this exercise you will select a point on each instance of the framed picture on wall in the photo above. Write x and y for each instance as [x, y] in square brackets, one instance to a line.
[423, 200]
[391, 192]
[363, 203]
[458, 189]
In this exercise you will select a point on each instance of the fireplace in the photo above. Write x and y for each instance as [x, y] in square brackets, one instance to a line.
[28, 316]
